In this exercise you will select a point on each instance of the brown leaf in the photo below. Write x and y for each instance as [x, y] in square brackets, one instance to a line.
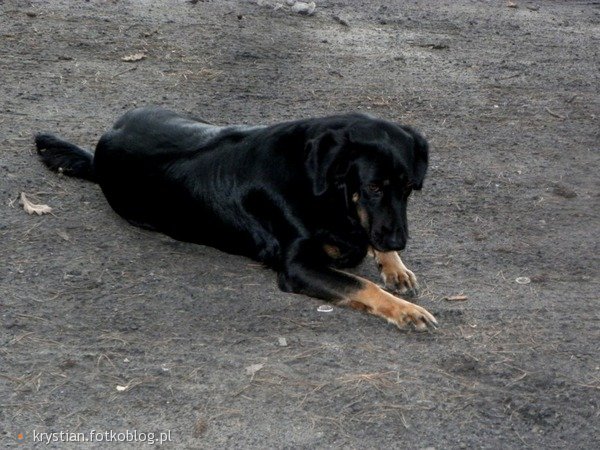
[32, 208]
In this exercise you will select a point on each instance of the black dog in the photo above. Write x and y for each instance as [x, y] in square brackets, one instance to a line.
[304, 197]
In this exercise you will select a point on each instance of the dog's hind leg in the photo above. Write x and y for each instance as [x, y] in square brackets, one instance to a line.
[305, 272]
[394, 273]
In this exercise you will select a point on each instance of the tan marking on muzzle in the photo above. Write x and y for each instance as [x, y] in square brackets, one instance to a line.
[362, 213]
[332, 251]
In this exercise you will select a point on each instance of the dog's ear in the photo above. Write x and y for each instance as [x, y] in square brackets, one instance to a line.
[420, 159]
[323, 155]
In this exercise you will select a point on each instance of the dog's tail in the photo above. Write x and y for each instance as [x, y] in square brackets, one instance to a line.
[64, 157]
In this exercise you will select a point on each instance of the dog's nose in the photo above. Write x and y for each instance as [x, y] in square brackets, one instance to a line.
[395, 239]
[395, 242]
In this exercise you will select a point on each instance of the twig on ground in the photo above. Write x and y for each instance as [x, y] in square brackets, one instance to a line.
[552, 113]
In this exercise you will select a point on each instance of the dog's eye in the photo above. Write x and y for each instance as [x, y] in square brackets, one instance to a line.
[374, 188]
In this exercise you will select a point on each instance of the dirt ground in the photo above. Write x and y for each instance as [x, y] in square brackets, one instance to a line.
[509, 100]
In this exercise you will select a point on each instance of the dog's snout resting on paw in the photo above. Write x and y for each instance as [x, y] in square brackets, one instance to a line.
[307, 197]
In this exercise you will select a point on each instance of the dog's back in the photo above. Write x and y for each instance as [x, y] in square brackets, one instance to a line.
[153, 132]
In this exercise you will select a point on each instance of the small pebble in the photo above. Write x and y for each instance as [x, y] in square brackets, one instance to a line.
[282, 342]
[307, 9]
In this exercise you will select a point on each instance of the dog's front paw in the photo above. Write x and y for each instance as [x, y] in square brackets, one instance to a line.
[406, 315]
[399, 278]
[395, 275]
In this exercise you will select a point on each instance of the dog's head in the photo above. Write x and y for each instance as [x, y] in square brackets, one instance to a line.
[374, 165]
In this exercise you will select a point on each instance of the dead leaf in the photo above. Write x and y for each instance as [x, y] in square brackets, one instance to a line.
[32, 208]
[456, 298]
[63, 234]
[134, 57]
[252, 369]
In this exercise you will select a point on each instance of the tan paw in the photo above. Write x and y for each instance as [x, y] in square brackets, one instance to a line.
[374, 300]
[400, 279]
[395, 275]
[406, 315]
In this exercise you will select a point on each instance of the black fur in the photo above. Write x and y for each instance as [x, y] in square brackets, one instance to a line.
[61, 156]
[276, 193]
